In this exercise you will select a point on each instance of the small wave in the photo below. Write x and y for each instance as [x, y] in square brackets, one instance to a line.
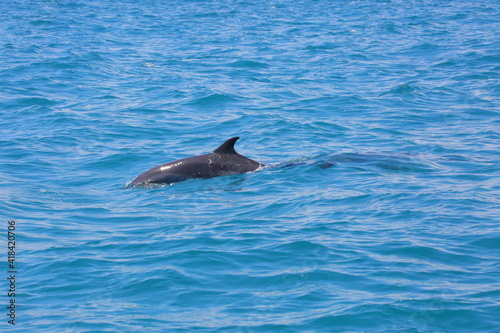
[248, 64]
[212, 100]
[403, 89]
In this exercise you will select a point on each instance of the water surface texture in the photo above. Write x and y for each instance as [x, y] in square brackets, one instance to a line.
[379, 121]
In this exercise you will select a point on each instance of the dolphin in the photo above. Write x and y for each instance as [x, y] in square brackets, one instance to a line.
[222, 161]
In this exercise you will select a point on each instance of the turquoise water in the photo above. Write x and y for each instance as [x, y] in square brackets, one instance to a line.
[379, 121]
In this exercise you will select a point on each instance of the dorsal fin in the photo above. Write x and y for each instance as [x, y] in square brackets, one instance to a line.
[227, 147]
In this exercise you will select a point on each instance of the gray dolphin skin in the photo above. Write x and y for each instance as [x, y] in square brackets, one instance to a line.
[222, 161]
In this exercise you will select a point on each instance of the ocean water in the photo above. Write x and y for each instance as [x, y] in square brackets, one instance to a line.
[379, 121]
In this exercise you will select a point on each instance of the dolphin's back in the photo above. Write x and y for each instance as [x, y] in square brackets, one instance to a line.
[222, 161]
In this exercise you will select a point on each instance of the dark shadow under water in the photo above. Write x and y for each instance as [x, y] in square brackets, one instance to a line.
[408, 163]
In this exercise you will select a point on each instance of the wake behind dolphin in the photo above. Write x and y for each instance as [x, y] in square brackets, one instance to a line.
[221, 162]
